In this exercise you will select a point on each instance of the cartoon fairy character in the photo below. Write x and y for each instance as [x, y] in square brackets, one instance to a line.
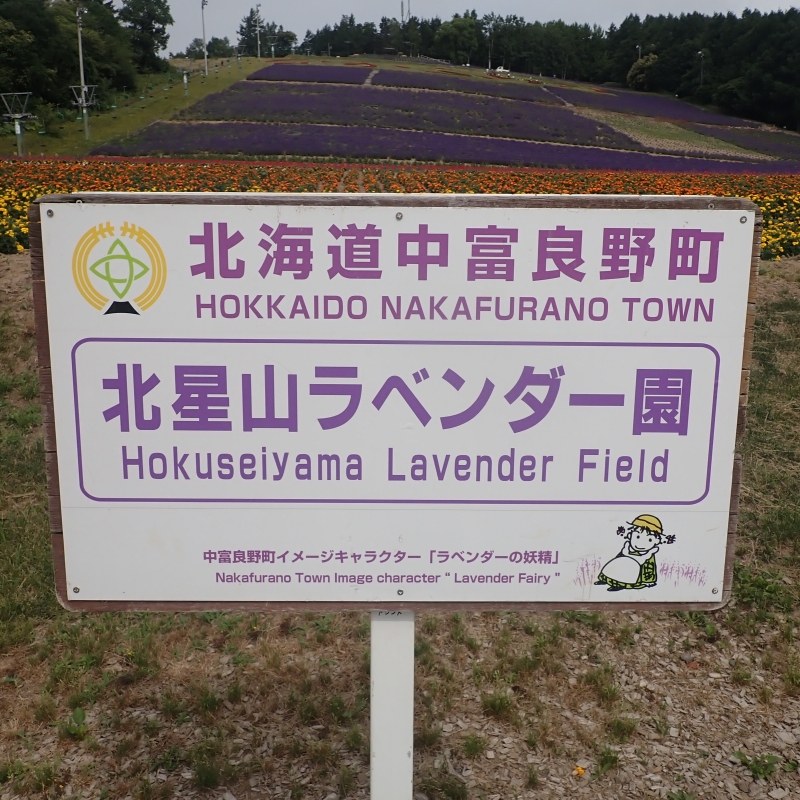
[635, 565]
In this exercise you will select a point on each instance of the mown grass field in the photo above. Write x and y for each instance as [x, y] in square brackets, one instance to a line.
[156, 97]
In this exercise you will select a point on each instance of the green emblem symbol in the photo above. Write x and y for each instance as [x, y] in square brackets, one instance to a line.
[119, 269]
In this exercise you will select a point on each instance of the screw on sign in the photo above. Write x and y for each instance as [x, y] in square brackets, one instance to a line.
[390, 402]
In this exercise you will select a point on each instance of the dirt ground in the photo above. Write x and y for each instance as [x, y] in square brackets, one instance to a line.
[525, 705]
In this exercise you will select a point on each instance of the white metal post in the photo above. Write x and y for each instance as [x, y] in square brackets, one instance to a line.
[392, 705]
[258, 29]
[203, 4]
[18, 132]
[79, 12]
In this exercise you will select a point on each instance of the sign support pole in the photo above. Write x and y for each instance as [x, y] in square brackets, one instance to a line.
[392, 705]
[18, 132]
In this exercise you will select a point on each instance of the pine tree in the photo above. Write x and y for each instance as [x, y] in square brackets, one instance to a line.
[147, 21]
[248, 34]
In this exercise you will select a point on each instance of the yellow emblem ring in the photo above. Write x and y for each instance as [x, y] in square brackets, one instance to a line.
[87, 242]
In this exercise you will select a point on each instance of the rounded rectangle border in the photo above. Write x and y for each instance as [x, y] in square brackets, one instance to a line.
[383, 501]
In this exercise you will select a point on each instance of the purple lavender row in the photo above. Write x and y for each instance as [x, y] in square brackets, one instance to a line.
[318, 74]
[644, 104]
[773, 143]
[493, 87]
[399, 108]
[252, 138]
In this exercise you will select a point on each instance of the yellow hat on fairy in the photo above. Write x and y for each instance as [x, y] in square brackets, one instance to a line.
[649, 522]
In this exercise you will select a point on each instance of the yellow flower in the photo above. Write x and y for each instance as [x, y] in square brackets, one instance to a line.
[578, 772]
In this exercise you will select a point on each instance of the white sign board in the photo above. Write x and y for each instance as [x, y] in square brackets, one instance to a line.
[382, 398]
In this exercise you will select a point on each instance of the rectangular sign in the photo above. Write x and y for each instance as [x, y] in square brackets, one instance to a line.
[384, 399]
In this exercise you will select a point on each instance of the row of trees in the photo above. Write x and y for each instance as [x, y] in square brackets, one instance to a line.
[255, 36]
[748, 65]
[39, 45]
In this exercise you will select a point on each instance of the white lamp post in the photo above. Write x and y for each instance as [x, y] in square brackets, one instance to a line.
[258, 29]
[203, 4]
[79, 12]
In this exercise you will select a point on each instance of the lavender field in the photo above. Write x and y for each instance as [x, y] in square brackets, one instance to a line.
[311, 73]
[643, 104]
[259, 139]
[404, 109]
[492, 87]
[619, 100]
[773, 143]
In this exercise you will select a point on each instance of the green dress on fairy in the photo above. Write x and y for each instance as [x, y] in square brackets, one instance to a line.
[630, 569]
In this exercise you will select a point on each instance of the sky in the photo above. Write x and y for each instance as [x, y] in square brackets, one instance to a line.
[223, 16]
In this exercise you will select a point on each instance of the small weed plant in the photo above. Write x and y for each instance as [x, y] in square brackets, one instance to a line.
[496, 705]
[474, 746]
[532, 780]
[621, 728]
[762, 766]
[75, 726]
[607, 759]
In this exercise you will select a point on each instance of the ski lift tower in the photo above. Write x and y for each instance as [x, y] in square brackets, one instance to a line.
[84, 95]
[16, 105]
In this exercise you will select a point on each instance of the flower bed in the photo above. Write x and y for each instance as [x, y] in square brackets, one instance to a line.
[262, 139]
[644, 104]
[477, 85]
[404, 109]
[773, 143]
[313, 73]
[22, 180]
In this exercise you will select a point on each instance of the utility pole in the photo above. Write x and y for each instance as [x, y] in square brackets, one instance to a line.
[258, 27]
[639, 48]
[79, 12]
[702, 56]
[203, 4]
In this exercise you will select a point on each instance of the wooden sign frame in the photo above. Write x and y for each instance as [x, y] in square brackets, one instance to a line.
[400, 201]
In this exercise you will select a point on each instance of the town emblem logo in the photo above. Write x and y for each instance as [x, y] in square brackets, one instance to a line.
[119, 271]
